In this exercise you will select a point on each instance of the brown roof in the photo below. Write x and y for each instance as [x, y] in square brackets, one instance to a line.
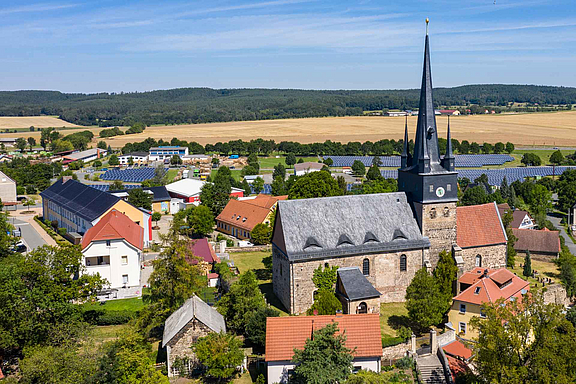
[114, 226]
[532, 240]
[307, 165]
[284, 334]
[479, 225]
[498, 284]
[202, 249]
[247, 214]
[517, 215]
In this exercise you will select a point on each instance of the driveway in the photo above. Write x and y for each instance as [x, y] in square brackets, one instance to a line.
[30, 236]
[555, 219]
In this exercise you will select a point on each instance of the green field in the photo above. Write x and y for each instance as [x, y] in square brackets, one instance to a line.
[544, 268]
[133, 305]
[235, 174]
[171, 174]
[270, 162]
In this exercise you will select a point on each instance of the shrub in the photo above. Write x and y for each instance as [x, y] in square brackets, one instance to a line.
[62, 231]
[389, 341]
[30, 189]
[405, 362]
[104, 317]
[20, 190]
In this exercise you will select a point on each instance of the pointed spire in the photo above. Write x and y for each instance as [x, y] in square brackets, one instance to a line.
[448, 161]
[404, 156]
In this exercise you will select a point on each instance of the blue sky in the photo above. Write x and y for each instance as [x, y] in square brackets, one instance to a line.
[116, 45]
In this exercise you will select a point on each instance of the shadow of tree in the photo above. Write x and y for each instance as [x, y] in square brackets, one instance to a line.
[266, 272]
[398, 321]
[268, 292]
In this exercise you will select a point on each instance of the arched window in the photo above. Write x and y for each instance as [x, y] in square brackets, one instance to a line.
[326, 265]
[433, 213]
[403, 263]
[362, 308]
[446, 211]
[478, 260]
[366, 267]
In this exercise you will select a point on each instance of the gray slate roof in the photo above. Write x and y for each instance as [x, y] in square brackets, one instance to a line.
[347, 225]
[355, 284]
[194, 307]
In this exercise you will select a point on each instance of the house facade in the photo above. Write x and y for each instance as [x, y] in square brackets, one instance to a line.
[166, 152]
[479, 286]
[7, 189]
[113, 249]
[183, 328]
[284, 334]
[138, 158]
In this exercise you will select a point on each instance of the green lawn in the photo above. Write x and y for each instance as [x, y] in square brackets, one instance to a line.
[235, 174]
[171, 174]
[544, 268]
[270, 162]
[133, 304]
[543, 153]
[392, 315]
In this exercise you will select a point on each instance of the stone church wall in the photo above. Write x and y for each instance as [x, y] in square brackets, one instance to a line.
[385, 276]
[493, 256]
[181, 343]
[438, 223]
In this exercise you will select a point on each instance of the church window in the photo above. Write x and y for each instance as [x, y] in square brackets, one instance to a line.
[366, 267]
[280, 269]
[431, 188]
[449, 187]
[433, 213]
[403, 263]
[446, 211]
[478, 260]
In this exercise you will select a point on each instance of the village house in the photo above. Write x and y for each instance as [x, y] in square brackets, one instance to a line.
[479, 286]
[182, 330]
[160, 197]
[307, 167]
[520, 219]
[85, 156]
[166, 152]
[284, 334]
[138, 158]
[542, 245]
[239, 217]
[78, 207]
[113, 249]
[202, 249]
[8, 194]
[188, 192]
[449, 112]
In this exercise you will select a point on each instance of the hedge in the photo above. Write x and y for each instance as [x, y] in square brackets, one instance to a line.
[108, 317]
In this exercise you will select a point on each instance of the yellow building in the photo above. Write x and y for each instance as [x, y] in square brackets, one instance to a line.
[481, 286]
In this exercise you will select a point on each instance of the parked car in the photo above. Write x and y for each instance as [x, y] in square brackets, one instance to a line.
[20, 247]
[245, 243]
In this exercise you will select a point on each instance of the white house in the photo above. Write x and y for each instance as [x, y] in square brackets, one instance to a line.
[138, 158]
[113, 249]
[166, 152]
[304, 168]
[284, 334]
[188, 191]
[85, 156]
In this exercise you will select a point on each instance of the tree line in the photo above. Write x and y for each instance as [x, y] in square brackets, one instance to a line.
[204, 105]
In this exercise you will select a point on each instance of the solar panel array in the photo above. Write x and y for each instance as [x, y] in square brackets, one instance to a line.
[134, 175]
[105, 187]
[495, 176]
[462, 161]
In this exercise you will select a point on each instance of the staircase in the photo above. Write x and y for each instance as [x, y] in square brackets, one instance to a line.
[431, 369]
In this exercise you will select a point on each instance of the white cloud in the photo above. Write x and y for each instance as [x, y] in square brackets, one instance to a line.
[41, 7]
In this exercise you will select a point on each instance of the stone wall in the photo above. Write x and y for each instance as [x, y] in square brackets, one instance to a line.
[493, 256]
[556, 293]
[295, 280]
[439, 225]
[181, 343]
[373, 306]
[549, 257]
[395, 352]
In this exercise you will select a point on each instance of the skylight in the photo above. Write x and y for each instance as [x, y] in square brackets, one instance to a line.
[477, 290]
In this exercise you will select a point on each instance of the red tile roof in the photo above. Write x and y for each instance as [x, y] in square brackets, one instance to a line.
[479, 225]
[283, 334]
[457, 348]
[492, 287]
[246, 214]
[202, 249]
[532, 240]
[213, 275]
[114, 226]
[457, 366]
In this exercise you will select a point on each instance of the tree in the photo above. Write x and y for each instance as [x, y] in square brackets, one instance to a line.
[29, 202]
[246, 187]
[557, 157]
[487, 148]
[21, 143]
[31, 142]
[566, 187]
[540, 199]
[325, 303]
[324, 359]
[138, 198]
[474, 148]
[101, 144]
[216, 195]
[256, 326]
[279, 171]
[253, 161]
[499, 147]
[175, 160]
[445, 274]
[358, 168]
[527, 271]
[314, 184]
[248, 170]
[300, 160]
[116, 185]
[328, 162]
[113, 160]
[220, 353]
[290, 160]
[475, 195]
[524, 341]
[424, 301]
[261, 234]
[202, 220]
[39, 294]
[258, 185]
[505, 189]
[156, 217]
[510, 251]
[509, 147]
[278, 187]
[531, 159]
[373, 173]
[97, 164]
[243, 299]
[130, 161]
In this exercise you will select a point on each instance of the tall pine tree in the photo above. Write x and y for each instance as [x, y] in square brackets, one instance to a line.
[527, 265]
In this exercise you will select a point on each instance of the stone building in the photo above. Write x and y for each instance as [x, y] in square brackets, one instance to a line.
[386, 236]
[183, 328]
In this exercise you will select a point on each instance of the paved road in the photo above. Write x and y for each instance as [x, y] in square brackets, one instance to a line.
[556, 221]
[29, 235]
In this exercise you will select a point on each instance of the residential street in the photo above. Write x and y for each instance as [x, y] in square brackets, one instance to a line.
[32, 234]
[556, 221]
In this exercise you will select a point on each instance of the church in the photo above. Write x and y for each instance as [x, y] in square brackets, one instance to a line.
[379, 241]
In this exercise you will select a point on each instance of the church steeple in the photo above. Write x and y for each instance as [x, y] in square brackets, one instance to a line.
[404, 155]
[448, 161]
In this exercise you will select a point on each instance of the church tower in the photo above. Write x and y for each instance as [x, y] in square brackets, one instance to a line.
[429, 181]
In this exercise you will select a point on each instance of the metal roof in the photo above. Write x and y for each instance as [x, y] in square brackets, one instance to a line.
[355, 284]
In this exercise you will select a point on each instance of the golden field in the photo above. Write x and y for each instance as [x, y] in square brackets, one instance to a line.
[14, 122]
[550, 129]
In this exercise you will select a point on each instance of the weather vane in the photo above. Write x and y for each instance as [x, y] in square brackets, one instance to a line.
[427, 21]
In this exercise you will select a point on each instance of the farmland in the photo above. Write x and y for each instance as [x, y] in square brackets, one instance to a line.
[10, 122]
[540, 129]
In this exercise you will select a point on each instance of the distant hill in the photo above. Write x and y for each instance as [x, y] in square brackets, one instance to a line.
[203, 105]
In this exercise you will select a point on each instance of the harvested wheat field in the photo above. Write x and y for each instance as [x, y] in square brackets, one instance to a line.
[524, 129]
[14, 122]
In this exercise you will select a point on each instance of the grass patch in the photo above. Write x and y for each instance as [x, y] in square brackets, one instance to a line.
[270, 162]
[392, 316]
[544, 268]
[171, 174]
[543, 153]
[235, 174]
[133, 304]
[104, 333]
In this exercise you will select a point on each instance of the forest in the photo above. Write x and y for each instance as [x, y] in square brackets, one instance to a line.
[204, 105]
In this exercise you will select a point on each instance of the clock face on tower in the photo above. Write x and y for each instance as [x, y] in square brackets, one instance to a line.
[440, 192]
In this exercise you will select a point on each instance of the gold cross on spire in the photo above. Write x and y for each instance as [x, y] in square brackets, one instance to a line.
[427, 21]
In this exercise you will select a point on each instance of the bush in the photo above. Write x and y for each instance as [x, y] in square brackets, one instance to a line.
[389, 341]
[104, 317]
[30, 189]
[20, 190]
[405, 362]
[62, 231]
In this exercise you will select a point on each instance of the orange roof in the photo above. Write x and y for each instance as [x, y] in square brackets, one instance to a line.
[479, 225]
[265, 201]
[244, 214]
[497, 284]
[283, 334]
[457, 366]
[113, 226]
[457, 348]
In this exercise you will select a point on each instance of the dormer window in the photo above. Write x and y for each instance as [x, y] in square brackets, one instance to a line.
[398, 234]
[312, 242]
[477, 290]
[370, 238]
[244, 219]
[344, 240]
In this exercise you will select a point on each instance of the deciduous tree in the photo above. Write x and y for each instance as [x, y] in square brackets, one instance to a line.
[256, 326]
[424, 301]
[220, 353]
[261, 234]
[201, 220]
[314, 184]
[138, 198]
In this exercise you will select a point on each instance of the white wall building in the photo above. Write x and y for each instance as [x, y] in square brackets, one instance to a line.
[138, 158]
[166, 152]
[304, 168]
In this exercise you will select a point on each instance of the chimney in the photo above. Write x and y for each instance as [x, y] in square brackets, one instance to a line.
[66, 178]
[339, 313]
[485, 273]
